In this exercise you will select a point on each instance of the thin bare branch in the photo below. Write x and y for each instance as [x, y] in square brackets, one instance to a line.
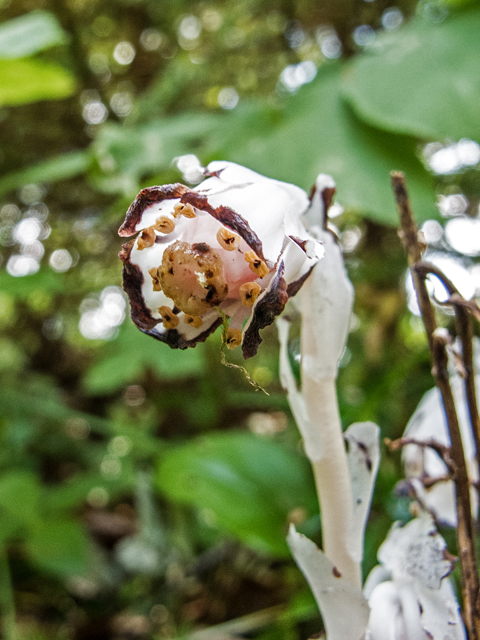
[463, 309]
[442, 450]
[437, 344]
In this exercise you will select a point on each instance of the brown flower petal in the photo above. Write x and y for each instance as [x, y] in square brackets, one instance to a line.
[264, 313]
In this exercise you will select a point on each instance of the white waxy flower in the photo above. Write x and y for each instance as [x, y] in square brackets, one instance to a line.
[409, 595]
[429, 423]
[235, 245]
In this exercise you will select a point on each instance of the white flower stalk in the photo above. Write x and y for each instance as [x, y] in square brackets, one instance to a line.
[343, 607]
[233, 246]
[428, 423]
[326, 304]
[409, 595]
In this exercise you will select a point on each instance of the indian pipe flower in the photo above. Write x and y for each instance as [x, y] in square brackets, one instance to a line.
[233, 246]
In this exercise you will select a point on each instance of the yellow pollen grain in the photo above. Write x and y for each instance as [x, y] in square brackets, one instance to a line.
[258, 266]
[170, 320]
[194, 321]
[155, 279]
[146, 238]
[227, 239]
[233, 338]
[186, 210]
[164, 224]
[249, 292]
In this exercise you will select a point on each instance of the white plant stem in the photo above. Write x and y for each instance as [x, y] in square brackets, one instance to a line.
[332, 478]
[328, 456]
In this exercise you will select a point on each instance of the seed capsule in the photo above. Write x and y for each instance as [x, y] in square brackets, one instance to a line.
[192, 275]
[249, 292]
[170, 320]
[146, 239]
[155, 279]
[186, 210]
[164, 224]
[233, 338]
[258, 266]
[227, 239]
[194, 321]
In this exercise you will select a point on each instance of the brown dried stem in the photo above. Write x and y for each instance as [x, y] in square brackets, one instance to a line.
[463, 311]
[437, 344]
[440, 449]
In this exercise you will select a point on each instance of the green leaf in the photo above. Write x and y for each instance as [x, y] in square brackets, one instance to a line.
[27, 80]
[126, 154]
[319, 134]
[59, 547]
[422, 80]
[249, 483]
[124, 359]
[28, 34]
[21, 287]
[60, 167]
[19, 496]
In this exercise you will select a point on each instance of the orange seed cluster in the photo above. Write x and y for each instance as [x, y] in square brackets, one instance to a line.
[181, 209]
[170, 320]
[194, 321]
[227, 239]
[155, 279]
[249, 292]
[146, 238]
[164, 224]
[258, 266]
[233, 338]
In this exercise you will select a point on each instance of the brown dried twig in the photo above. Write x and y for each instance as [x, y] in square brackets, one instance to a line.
[437, 345]
[440, 449]
[464, 309]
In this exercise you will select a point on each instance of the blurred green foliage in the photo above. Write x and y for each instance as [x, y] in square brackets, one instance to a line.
[143, 491]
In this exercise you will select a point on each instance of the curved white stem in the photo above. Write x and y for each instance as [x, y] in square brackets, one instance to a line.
[327, 449]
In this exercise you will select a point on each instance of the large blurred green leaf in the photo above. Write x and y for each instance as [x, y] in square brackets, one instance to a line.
[315, 133]
[59, 547]
[249, 483]
[44, 280]
[127, 154]
[124, 359]
[27, 80]
[19, 497]
[59, 167]
[319, 134]
[29, 33]
[422, 80]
